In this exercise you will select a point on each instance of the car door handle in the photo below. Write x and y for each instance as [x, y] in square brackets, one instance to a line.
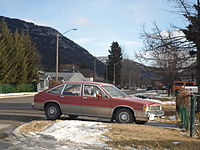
[84, 98]
[62, 96]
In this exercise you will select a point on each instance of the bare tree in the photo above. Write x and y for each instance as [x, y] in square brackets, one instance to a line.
[166, 50]
[191, 11]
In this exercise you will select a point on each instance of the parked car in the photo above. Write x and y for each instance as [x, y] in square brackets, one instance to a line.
[95, 99]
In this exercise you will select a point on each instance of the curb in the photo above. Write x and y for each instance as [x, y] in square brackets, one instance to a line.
[17, 94]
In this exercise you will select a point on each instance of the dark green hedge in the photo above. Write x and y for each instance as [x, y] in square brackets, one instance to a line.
[12, 88]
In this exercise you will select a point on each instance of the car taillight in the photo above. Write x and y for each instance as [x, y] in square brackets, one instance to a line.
[35, 97]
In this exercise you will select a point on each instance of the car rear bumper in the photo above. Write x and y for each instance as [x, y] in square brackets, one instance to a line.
[38, 106]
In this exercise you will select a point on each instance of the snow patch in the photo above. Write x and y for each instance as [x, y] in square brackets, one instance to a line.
[176, 143]
[17, 94]
[79, 132]
[172, 117]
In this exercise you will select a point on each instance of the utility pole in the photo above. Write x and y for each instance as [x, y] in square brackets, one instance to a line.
[95, 61]
[57, 51]
[57, 45]
[114, 74]
[106, 72]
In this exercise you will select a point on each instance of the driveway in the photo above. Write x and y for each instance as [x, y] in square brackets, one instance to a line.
[16, 111]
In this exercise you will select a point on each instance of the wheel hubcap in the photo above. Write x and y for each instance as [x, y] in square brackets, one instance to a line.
[52, 111]
[124, 117]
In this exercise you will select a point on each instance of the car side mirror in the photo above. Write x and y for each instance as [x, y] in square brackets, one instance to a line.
[98, 95]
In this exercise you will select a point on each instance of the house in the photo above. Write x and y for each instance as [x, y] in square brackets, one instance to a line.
[62, 76]
[43, 82]
[67, 76]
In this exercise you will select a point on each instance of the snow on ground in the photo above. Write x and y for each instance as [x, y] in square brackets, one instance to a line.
[159, 94]
[155, 100]
[80, 132]
[67, 134]
[17, 94]
[172, 117]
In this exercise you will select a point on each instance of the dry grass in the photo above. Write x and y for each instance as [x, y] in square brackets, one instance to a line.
[197, 125]
[168, 121]
[123, 136]
[162, 99]
[35, 126]
[170, 109]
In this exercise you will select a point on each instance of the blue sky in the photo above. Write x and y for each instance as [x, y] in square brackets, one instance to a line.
[98, 22]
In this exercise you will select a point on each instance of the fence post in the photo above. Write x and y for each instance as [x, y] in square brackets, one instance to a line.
[192, 114]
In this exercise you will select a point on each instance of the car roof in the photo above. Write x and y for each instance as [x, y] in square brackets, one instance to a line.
[88, 82]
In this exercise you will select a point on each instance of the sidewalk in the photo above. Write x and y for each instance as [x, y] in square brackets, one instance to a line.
[7, 95]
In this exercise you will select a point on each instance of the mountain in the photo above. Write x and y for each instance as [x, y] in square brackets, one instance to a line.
[45, 41]
[103, 59]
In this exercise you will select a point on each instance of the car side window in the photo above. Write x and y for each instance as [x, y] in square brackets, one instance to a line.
[56, 90]
[104, 95]
[91, 91]
[72, 89]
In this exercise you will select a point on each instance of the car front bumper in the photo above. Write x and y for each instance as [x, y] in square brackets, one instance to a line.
[148, 115]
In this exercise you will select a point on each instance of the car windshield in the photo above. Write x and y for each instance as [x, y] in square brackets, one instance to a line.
[114, 91]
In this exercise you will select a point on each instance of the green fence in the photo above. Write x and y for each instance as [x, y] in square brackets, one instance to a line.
[183, 114]
[12, 88]
[186, 107]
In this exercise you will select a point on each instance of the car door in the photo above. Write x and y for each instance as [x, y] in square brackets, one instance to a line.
[54, 93]
[95, 102]
[71, 99]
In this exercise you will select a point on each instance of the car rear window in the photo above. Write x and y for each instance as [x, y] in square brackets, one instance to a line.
[56, 90]
[72, 89]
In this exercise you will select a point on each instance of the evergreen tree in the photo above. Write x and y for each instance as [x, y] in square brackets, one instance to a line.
[7, 55]
[2, 50]
[19, 48]
[18, 58]
[114, 63]
[192, 33]
[30, 60]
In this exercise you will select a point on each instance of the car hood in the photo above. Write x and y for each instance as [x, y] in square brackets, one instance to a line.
[139, 101]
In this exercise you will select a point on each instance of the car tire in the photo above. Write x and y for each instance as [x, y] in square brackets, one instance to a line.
[72, 116]
[52, 111]
[140, 122]
[124, 115]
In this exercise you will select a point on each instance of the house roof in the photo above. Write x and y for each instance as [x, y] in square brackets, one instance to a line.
[72, 76]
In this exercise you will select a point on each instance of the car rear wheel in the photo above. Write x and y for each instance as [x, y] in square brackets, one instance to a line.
[52, 111]
[124, 115]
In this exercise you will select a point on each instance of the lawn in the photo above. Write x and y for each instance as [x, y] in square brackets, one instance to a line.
[125, 136]
[129, 136]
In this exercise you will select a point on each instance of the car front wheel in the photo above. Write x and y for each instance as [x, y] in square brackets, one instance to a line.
[124, 115]
[52, 111]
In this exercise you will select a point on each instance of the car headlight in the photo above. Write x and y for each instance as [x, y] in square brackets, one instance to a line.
[145, 107]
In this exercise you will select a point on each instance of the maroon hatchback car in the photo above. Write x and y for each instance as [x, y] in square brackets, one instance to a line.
[97, 100]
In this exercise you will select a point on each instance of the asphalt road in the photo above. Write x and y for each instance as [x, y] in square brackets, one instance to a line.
[16, 111]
